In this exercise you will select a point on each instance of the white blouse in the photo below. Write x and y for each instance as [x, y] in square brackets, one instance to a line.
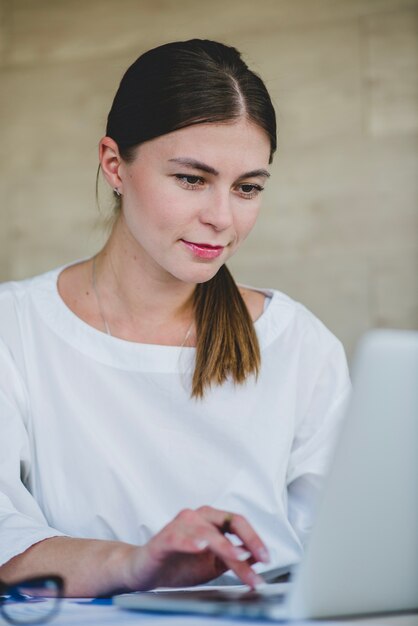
[99, 436]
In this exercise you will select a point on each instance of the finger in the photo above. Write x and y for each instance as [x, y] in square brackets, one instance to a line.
[236, 558]
[191, 533]
[251, 540]
[246, 574]
[175, 540]
[238, 525]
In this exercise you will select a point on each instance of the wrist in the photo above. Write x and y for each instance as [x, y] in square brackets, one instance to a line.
[119, 568]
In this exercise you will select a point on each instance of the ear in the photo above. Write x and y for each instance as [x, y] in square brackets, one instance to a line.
[110, 161]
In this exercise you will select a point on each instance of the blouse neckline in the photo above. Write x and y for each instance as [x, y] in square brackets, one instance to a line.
[109, 349]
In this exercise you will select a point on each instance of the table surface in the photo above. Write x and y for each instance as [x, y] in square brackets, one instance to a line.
[84, 612]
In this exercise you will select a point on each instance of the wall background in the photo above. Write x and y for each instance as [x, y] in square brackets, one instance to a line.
[339, 227]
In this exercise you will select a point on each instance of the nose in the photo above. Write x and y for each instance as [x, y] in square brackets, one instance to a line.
[217, 211]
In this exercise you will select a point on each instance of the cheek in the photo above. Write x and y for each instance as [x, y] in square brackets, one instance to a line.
[245, 220]
[170, 211]
[152, 211]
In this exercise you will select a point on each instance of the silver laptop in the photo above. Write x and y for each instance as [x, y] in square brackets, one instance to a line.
[362, 556]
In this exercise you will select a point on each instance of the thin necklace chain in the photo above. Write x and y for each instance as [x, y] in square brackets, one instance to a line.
[102, 315]
[99, 302]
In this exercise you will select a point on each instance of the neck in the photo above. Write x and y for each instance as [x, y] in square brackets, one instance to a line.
[139, 300]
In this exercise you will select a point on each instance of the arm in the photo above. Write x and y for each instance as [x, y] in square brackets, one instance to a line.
[315, 439]
[89, 567]
[189, 550]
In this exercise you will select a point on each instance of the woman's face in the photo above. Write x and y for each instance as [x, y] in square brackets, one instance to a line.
[192, 196]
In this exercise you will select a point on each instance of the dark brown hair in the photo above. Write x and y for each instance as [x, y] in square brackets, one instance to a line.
[170, 87]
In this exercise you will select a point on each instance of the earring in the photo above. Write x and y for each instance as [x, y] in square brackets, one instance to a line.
[117, 192]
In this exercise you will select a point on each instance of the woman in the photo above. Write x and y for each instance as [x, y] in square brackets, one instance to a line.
[161, 425]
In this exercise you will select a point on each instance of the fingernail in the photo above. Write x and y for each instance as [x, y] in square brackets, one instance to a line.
[263, 555]
[241, 555]
[256, 580]
[201, 544]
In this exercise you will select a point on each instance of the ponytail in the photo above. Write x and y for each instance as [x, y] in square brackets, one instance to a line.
[227, 344]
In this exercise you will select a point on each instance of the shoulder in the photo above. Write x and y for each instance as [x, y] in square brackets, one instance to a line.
[18, 302]
[299, 345]
[258, 299]
[12, 295]
[16, 292]
[254, 299]
[285, 320]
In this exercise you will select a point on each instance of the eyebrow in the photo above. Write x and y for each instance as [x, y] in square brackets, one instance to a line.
[198, 165]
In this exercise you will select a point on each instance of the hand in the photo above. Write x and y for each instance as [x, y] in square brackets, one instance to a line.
[192, 549]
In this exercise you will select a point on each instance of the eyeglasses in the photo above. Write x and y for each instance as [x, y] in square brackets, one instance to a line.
[33, 601]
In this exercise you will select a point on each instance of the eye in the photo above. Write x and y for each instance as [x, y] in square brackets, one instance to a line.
[250, 190]
[188, 181]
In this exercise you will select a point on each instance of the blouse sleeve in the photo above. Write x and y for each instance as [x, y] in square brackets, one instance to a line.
[315, 439]
[22, 522]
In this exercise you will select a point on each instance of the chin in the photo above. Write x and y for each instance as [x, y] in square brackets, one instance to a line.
[201, 275]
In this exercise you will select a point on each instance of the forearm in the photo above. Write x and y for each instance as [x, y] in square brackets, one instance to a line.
[90, 567]
[190, 550]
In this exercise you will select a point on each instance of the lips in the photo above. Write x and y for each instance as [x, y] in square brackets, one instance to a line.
[203, 250]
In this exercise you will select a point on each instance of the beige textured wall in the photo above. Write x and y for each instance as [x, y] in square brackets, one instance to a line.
[339, 228]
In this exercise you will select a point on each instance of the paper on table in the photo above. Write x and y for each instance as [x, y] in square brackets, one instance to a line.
[82, 612]
[85, 612]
